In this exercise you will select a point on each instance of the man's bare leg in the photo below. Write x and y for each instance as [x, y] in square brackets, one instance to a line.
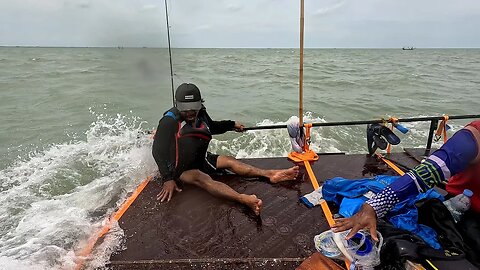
[240, 168]
[219, 189]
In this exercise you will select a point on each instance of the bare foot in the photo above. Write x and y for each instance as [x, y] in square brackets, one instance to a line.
[284, 175]
[254, 203]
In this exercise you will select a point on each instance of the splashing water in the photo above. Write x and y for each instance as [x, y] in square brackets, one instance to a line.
[60, 196]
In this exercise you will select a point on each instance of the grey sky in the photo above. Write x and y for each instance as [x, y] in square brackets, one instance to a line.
[241, 23]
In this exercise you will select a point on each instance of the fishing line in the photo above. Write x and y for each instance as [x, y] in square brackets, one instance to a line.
[169, 51]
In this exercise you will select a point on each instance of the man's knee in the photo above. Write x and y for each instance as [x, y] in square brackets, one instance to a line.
[195, 177]
[226, 162]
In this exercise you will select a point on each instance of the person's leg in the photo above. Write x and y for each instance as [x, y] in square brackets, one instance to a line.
[242, 169]
[219, 189]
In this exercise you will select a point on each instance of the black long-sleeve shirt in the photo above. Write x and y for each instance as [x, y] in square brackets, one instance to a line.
[176, 152]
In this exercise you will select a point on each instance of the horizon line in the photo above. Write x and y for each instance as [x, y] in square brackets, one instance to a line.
[286, 48]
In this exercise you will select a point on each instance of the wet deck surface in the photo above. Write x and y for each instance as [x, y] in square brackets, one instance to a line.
[196, 230]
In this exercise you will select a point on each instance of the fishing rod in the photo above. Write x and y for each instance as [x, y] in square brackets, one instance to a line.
[169, 52]
[364, 122]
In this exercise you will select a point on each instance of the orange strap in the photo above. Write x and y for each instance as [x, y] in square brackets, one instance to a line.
[306, 145]
[311, 175]
[85, 252]
[442, 128]
[327, 213]
[391, 164]
[307, 155]
[323, 203]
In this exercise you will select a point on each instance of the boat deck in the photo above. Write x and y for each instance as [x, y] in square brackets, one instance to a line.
[196, 230]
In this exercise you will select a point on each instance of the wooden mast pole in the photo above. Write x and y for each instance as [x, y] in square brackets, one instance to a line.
[300, 83]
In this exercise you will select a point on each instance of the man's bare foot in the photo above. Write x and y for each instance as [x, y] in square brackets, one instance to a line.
[254, 203]
[284, 175]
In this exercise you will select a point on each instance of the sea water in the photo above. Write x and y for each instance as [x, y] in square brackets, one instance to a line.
[73, 143]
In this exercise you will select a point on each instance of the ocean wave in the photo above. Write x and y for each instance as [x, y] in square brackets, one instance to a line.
[58, 197]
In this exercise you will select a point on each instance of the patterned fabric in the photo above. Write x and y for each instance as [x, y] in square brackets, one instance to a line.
[383, 202]
[350, 195]
[430, 173]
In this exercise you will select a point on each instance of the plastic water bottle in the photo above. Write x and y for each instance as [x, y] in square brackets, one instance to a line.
[361, 250]
[459, 204]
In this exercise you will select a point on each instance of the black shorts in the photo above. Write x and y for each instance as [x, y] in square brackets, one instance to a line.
[209, 167]
[210, 164]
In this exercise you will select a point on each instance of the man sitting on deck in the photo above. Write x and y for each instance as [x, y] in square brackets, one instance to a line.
[456, 164]
[180, 151]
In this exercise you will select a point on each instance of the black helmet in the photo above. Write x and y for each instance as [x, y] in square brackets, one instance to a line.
[188, 97]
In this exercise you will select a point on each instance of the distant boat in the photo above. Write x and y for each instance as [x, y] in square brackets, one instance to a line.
[408, 48]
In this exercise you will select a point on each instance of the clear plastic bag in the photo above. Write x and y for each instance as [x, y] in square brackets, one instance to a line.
[361, 250]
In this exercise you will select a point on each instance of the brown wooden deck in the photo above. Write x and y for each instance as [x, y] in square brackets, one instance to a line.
[195, 230]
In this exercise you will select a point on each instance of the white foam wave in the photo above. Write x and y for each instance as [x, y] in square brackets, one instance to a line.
[58, 197]
[273, 142]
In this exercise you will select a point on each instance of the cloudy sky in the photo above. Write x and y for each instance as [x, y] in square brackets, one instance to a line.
[241, 23]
